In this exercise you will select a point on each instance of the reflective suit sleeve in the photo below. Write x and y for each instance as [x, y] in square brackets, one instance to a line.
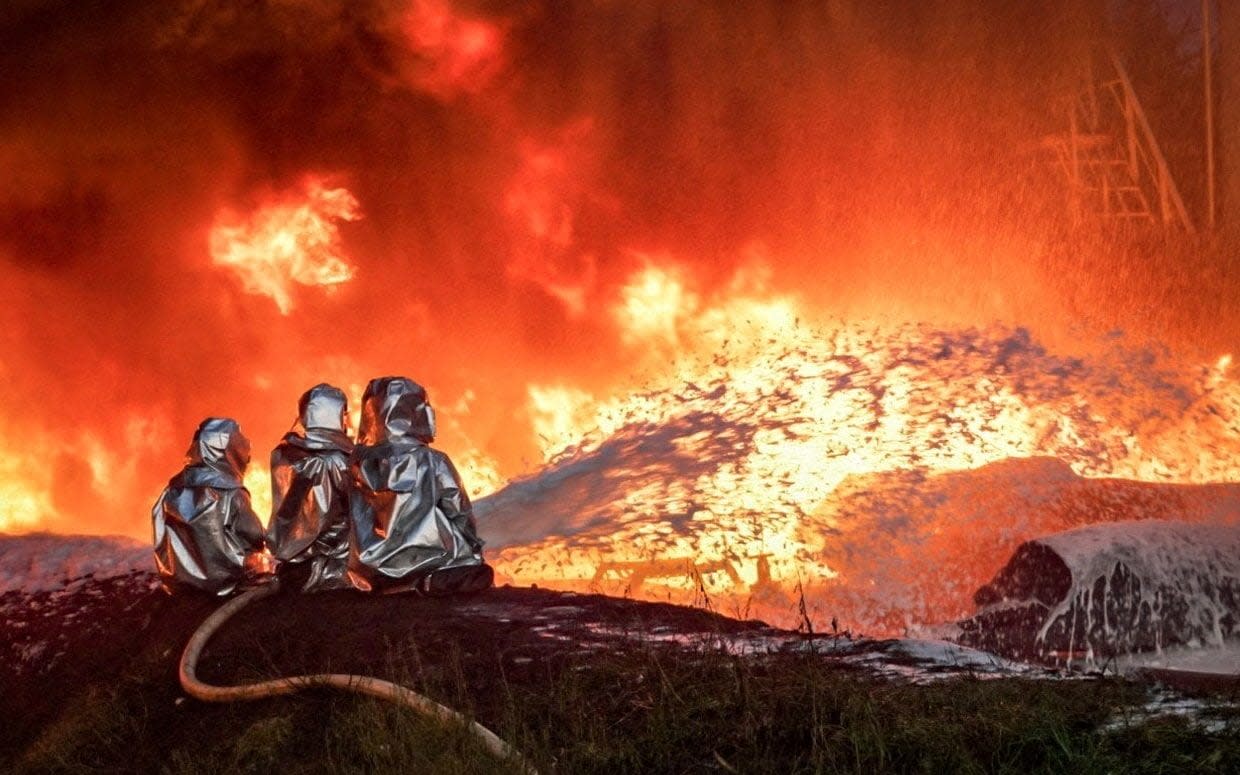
[454, 501]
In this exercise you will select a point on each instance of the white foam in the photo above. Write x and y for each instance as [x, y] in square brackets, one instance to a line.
[41, 561]
[1178, 565]
[1221, 660]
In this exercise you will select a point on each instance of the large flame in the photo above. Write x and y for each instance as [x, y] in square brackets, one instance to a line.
[759, 466]
[292, 240]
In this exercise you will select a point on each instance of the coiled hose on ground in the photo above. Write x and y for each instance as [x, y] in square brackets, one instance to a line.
[352, 683]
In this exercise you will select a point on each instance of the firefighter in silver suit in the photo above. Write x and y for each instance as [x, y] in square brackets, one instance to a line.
[207, 536]
[310, 483]
[412, 524]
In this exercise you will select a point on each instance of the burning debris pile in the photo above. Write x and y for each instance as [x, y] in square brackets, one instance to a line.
[865, 477]
[1102, 590]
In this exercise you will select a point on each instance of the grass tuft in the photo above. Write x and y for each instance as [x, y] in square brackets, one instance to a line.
[640, 707]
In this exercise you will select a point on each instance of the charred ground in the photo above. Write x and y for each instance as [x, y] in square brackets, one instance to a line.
[581, 683]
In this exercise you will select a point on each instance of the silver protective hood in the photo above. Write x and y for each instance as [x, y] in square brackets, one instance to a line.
[395, 408]
[410, 514]
[206, 532]
[310, 484]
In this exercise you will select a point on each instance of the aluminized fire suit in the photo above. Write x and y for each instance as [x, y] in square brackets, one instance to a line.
[310, 485]
[412, 523]
[206, 533]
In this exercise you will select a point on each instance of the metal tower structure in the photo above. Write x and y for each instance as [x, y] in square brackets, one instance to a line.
[1110, 158]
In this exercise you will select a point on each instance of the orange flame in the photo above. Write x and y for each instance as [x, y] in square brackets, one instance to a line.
[459, 54]
[258, 481]
[539, 201]
[654, 305]
[293, 240]
[25, 495]
[760, 426]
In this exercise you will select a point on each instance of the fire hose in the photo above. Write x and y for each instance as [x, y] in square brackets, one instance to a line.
[360, 684]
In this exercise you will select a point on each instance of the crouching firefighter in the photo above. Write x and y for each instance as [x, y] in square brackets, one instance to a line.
[207, 536]
[310, 484]
[412, 524]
